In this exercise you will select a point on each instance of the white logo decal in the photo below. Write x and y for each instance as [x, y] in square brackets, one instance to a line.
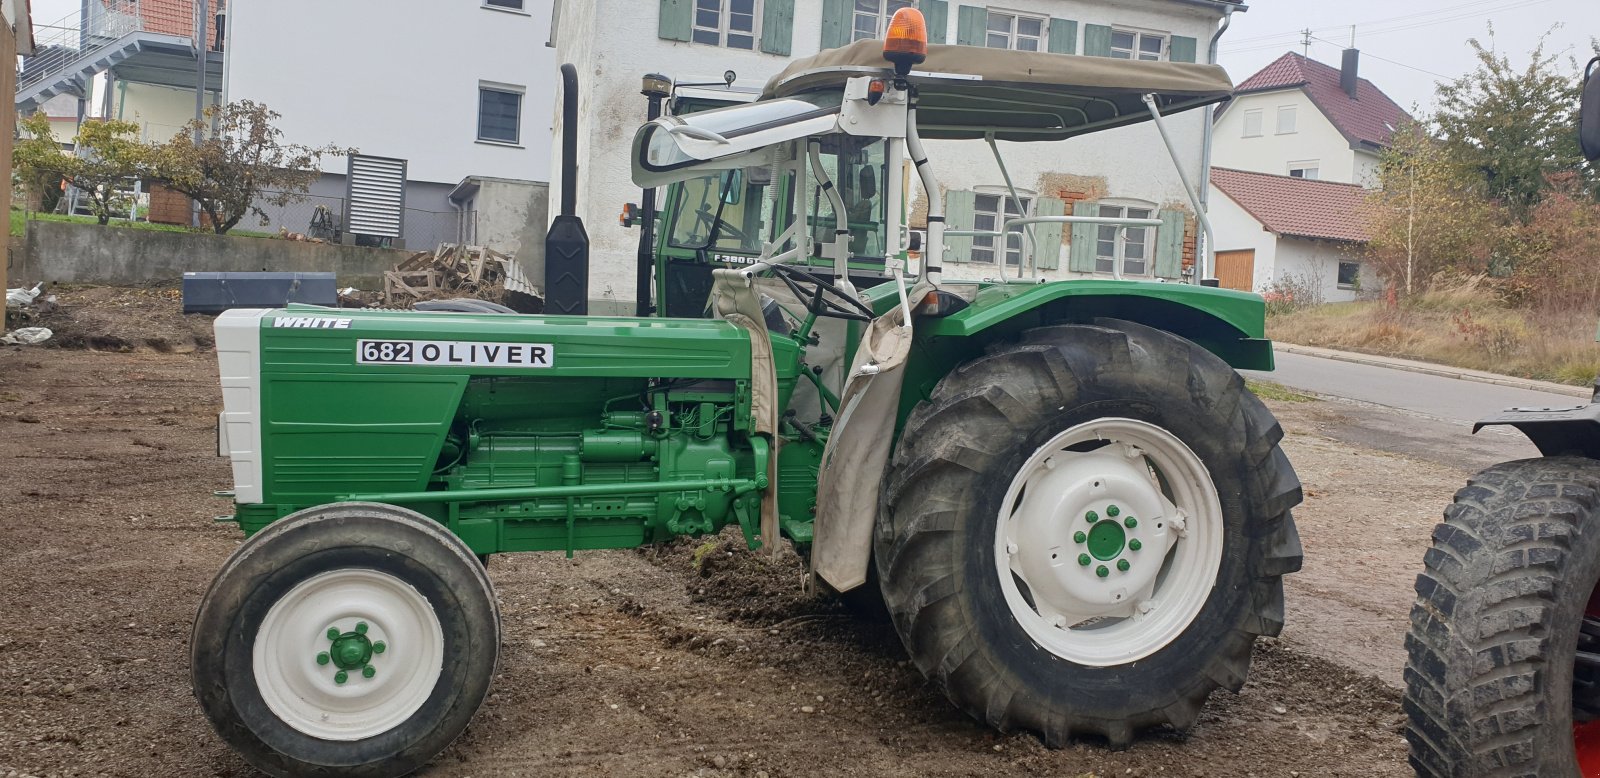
[454, 353]
[312, 322]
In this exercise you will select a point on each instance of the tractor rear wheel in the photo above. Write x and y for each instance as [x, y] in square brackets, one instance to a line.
[1086, 530]
[1503, 657]
[355, 638]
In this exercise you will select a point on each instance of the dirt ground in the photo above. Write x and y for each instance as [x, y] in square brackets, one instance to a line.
[628, 662]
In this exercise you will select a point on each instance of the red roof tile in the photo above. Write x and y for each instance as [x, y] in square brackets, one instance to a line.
[1296, 207]
[1369, 119]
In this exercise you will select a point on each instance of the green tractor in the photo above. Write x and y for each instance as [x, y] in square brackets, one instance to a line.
[1076, 513]
[1503, 655]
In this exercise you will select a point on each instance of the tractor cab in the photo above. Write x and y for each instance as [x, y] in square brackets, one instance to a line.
[815, 175]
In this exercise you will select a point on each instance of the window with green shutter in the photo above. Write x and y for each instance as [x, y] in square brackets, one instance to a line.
[1182, 49]
[777, 26]
[1047, 237]
[937, 14]
[676, 20]
[971, 21]
[837, 18]
[1096, 40]
[1063, 36]
[1080, 257]
[1169, 245]
[958, 215]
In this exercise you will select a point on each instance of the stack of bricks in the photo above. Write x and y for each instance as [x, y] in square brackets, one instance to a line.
[1190, 241]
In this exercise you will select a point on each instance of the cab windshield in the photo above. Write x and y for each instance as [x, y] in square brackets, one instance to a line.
[733, 211]
[727, 211]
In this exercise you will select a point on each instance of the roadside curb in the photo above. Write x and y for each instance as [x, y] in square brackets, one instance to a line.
[1413, 366]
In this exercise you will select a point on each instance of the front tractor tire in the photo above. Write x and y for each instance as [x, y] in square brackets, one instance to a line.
[352, 639]
[1503, 656]
[1086, 530]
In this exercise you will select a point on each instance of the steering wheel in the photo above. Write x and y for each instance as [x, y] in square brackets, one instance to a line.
[711, 221]
[824, 298]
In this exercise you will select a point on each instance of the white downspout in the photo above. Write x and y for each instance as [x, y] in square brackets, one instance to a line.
[933, 253]
[1208, 251]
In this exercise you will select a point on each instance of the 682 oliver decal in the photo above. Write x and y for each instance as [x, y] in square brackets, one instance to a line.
[454, 353]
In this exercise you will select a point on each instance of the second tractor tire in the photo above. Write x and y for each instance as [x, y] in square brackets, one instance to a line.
[1496, 627]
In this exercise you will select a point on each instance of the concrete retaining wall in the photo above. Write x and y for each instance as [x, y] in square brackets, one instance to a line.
[89, 253]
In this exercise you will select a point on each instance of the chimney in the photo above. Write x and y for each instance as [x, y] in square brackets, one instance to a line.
[1347, 73]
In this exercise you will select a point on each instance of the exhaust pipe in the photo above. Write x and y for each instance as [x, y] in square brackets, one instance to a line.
[566, 246]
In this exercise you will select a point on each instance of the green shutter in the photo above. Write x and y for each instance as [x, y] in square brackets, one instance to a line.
[1081, 257]
[1047, 237]
[1096, 40]
[777, 26]
[1169, 245]
[1182, 49]
[676, 20]
[937, 13]
[972, 22]
[836, 23]
[958, 208]
[1063, 36]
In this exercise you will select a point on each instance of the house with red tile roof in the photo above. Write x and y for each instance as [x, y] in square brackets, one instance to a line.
[1276, 228]
[1299, 117]
[1290, 156]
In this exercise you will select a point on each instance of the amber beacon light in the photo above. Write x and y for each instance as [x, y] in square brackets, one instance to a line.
[907, 41]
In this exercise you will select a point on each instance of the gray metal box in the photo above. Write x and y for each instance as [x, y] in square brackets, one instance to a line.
[217, 292]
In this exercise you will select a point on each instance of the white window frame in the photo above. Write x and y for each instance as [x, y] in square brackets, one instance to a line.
[1011, 35]
[880, 18]
[1253, 116]
[521, 7]
[721, 31]
[1104, 263]
[1004, 209]
[1291, 113]
[522, 99]
[1353, 286]
[1139, 36]
[1310, 169]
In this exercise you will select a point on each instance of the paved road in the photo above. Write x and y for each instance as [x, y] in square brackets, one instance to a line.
[1421, 415]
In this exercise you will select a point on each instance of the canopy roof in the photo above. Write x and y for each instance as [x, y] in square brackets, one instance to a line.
[966, 92]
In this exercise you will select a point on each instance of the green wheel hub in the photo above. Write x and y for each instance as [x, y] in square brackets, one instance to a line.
[349, 651]
[1106, 540]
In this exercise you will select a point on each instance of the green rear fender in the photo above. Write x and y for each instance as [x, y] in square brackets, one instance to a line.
[1228, 323]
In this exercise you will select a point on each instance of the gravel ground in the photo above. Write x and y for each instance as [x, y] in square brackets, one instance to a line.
[626, 662]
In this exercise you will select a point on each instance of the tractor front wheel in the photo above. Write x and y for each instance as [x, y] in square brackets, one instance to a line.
[1503, 657]
[352, 638]
[1086, 530]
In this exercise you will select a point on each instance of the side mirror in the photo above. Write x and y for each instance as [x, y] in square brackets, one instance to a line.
[1589, 112]
[867, 184]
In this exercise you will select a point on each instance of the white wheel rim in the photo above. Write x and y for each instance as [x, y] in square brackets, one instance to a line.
[305, 694]
[1117, 469]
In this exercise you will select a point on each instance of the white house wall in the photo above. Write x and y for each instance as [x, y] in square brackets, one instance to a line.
[1279, 258]
[398, 79]
[1314, 138]
[615, 42]
[1237, 230]
[1315, 262]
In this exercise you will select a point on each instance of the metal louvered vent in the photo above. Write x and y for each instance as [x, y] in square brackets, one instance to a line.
[376, 190]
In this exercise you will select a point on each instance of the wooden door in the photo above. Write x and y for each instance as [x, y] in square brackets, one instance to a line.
[1236, 269]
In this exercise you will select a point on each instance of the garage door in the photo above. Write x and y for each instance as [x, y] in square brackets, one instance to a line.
[1236, 269]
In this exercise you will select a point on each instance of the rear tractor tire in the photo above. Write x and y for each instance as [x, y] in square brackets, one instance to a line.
[355, 639]
[1503, 657]
[1086, 530]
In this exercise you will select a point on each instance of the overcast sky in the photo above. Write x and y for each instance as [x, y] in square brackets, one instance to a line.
[1407, 45]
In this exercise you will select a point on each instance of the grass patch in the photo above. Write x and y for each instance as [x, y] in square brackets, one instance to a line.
[20, 219]
[1268, 390]
[1461, 325]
